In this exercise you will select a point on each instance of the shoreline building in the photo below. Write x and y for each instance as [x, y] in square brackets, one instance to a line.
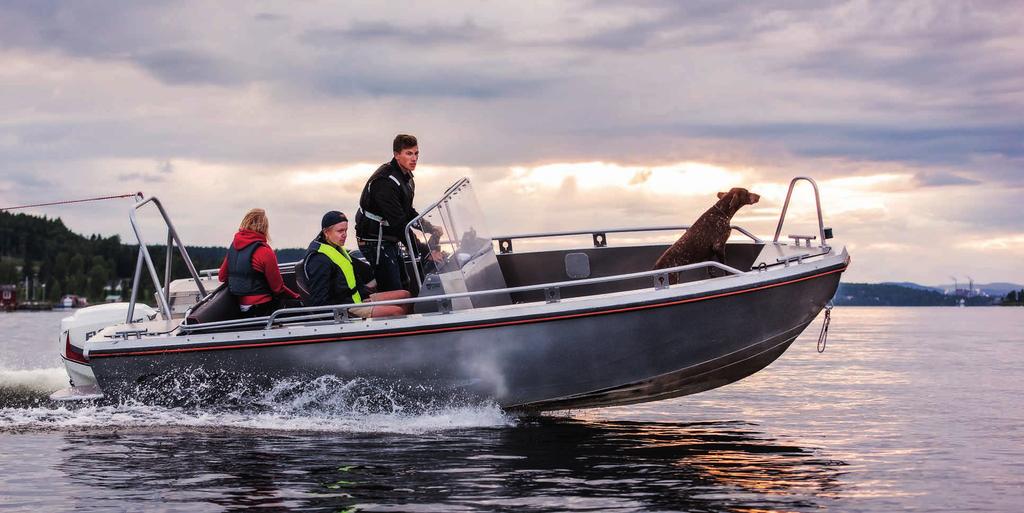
[8, 297]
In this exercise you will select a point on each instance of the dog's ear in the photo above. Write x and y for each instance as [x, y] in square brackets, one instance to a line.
[721, 195]
[735, 202]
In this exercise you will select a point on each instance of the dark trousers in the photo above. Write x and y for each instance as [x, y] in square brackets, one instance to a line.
[389, 270]
[263, 309]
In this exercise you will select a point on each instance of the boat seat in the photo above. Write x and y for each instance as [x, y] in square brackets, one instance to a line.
[220, 305]
[300, 281]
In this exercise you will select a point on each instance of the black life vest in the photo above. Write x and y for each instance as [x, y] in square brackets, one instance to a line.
[243, 280]
[369, 218]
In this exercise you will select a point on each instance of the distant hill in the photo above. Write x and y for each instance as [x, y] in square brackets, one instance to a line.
[911, 285]
[890, 294]
[290, 254]
[992, 289]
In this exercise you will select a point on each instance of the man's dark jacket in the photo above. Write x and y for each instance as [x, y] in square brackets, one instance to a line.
[388, 193]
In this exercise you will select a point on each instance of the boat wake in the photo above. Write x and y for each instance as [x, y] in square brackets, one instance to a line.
[324, 404]
[25, 387]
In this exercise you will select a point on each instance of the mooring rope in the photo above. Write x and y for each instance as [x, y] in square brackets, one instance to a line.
[65, 202]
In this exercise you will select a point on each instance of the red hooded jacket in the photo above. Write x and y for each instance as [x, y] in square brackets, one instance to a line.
[263, 260]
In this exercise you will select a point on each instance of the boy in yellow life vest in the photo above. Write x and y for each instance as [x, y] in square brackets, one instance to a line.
[333, 276]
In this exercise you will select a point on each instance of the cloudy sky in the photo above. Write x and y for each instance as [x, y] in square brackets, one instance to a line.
[588, 114]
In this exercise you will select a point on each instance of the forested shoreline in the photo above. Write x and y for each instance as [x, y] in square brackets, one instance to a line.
[887, 294]
[53, 261]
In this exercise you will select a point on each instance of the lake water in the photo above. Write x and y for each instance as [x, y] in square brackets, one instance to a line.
[913, 409]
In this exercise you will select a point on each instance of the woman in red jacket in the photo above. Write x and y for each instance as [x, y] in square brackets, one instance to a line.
[250, 268]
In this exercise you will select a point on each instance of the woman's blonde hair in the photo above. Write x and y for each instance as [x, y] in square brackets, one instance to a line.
[256, 220]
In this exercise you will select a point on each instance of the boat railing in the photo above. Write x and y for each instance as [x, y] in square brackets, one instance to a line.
[163, 294]
[600, 236]
[552, 294]
[824, 233]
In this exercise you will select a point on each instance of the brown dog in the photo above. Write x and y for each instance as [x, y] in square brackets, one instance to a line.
[705, 239]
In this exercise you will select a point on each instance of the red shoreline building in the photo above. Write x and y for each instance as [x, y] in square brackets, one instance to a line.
[8, 297]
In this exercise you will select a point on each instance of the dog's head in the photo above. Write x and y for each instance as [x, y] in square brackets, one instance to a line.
[738, 197]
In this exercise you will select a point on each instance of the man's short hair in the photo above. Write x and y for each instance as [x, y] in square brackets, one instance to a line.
[403, 141]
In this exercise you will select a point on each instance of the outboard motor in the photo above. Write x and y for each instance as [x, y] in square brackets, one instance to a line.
[78, 328]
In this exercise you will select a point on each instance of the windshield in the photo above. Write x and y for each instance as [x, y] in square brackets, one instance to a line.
[459, 255]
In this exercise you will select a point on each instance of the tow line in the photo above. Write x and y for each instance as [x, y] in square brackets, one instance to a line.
[65, 202]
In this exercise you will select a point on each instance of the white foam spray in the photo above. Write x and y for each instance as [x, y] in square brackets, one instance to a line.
[33, 381]
[325, 404]
[144, 417]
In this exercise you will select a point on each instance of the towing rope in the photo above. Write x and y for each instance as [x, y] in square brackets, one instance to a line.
[823, 336]
[65, 202]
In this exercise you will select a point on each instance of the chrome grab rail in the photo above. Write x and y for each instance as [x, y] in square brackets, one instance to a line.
[599, 235]
[340, 312]
[163, 296]
[408, 227]
[817, 202]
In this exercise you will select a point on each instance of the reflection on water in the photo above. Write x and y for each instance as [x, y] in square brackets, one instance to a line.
[543, 464]
[909, 409]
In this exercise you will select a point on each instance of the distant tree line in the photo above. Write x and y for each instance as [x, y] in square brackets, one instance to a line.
[1014, 298]
[55, 261]
[885, 294]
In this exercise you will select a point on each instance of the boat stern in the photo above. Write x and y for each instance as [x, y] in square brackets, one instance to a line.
[75, 332]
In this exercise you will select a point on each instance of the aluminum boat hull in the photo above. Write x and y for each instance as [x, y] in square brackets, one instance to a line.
[622, 349]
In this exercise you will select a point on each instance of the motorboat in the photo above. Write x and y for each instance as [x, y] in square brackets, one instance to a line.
[579, 326]
[73, 301]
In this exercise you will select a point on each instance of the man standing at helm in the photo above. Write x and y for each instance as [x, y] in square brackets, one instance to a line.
[385, 207]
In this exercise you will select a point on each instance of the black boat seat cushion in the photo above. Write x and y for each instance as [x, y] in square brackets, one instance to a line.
[300, 281]
[221, 305]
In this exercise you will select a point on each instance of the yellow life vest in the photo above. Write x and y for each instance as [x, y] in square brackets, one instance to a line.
[343, 260]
